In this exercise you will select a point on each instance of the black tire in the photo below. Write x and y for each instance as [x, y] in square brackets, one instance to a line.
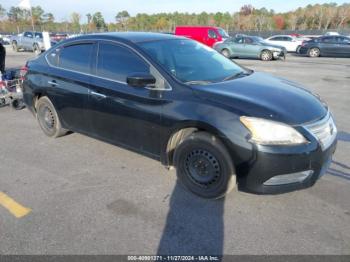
[36, 49]
[15, 46]
[225, 52]
[204, 166]
[298, 49]
[17, 104]
[314, 52]
[48, 119]
[266, 55]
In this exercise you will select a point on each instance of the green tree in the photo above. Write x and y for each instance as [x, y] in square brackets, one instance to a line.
[75, 21]
[37, 13]
[99, 21]
[2, 11]
[122, 19]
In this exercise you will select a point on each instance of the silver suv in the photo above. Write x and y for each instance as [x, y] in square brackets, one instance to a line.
[32, 41]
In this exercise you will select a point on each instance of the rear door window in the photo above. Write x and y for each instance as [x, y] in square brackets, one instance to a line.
[38, 35]
[329, 40]
[277, 38]
[116, 62]
[28, 34]
[287, 39]
[76, 57]
[248, 40]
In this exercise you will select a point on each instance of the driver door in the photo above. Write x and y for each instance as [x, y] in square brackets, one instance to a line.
[119, 113]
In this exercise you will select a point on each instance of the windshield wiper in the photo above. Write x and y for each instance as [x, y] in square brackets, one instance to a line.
[237, 75]
[198, 82]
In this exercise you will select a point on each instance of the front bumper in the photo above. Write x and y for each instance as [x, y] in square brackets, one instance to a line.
[279, 54]
[268, 165]
[303, 50]
[280, 169]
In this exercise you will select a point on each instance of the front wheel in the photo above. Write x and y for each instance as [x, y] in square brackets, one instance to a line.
[48, 119]
[225, 53]
[204, 166]
[266, 55]
[314, 52]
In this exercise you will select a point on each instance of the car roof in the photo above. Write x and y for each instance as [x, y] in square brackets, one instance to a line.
[282, 36]
[135, 37]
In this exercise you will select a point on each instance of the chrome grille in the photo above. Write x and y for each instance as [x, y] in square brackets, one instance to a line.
[324, 131]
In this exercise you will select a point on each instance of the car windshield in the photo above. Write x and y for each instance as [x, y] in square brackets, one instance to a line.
[190, 61]
[223, 33]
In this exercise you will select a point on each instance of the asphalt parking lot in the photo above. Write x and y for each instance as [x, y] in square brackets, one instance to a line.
[83, 196]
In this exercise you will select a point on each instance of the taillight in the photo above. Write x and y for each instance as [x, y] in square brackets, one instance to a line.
[23, 71]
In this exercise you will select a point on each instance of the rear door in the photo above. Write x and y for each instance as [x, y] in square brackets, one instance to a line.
[119, 113]
[237, 47]
[289, 43]
[69, 80]
[251, 49]
[27, 40]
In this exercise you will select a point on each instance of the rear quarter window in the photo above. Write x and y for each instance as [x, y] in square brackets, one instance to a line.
[76, 57]
[52, 57]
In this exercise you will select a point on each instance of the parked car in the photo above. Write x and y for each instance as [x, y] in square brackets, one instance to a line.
[29, 41]
[326, 46]
[331, 33]
[250, 47]
[208, 35]
[58, 36]
[180, 102]
[4, 40]
[292, 44]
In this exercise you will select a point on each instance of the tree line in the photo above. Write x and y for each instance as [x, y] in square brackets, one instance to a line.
[325, 16]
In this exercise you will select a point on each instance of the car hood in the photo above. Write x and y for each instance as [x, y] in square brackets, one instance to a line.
[265, 96]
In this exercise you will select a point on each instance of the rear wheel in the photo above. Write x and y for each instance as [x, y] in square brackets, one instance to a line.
[36, 49]
[314, 52]
[17, 104]
[226, 53]
[14, 46]
[48, 119]
[204, 166]
[266, 55]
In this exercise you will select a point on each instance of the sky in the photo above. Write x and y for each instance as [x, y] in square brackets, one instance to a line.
[109, 8]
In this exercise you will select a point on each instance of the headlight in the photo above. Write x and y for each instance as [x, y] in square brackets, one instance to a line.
[267, 132]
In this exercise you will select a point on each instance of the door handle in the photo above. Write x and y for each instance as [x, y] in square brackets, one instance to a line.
[53, 83]
[97, 94]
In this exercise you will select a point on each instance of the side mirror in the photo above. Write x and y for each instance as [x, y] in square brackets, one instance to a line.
[140, 80]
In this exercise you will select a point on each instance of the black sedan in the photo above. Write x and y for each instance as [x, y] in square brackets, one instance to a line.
[326, 46]
[183, 103]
